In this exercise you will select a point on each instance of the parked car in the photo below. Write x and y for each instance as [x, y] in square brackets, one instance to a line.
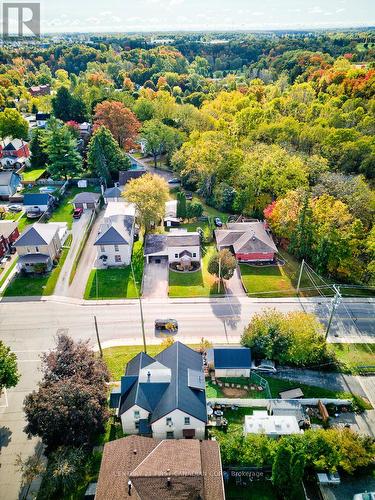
[174, 180]
[33, 213]
[189, 196]
[15, 208]
[266, 365]
[217, 222]
[77, 213]
[166, 326]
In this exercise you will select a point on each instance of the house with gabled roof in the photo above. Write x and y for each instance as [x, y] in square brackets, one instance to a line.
[248, 241]
[116, 235]
[163, 396]
[144, 469]
[9, 182]
[14, 153]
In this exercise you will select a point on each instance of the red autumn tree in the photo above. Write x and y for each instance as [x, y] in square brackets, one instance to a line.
[119, 120]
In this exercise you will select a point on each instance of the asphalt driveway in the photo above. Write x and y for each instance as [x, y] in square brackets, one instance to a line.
[155, 279]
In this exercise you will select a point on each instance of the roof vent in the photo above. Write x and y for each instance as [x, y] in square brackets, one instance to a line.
[134, 452]
[169, 484]
[148, 376]
[129, 488]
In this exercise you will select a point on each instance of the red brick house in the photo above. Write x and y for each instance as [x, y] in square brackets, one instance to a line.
[8, 235]
[249, 241]
[14, 153]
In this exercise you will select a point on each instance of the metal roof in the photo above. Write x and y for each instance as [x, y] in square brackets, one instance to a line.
[6, 178]
[232, 357]
[32, 199]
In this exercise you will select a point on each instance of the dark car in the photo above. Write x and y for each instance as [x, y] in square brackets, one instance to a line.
[189, 196]
[218, 222]
[174, 180]
[166, 326]
[77, 213]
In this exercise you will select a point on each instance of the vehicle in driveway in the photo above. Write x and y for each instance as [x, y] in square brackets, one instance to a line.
[15, 208]
[217, 222]
[33, 213]
[77, 213]
[166, 326]
[174, 180]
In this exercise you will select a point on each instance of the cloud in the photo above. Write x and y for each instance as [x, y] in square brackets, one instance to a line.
[316, 10]
[175, 2]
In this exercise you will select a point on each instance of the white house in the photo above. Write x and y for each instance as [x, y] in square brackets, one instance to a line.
[163, 397]
[233, 361]
[41, 244]
[116, 235]
[271, 425]
[173, 246]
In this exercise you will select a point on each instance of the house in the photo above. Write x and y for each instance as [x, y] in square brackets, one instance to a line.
[85, 130]
[170, 218]
[40, 244]
[127, 175]
[41, 119]
[38, 90]
[146, 469]
[113, 194]
[163, 396]
[9, 182]
[86, 200]
[271, 425]
[249, 241]
[173, 246]
[14, 153]
[38, 201]
[116, 235]
[230, 361]
[8, 235]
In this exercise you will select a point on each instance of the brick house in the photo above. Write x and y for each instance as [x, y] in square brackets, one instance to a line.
[14, 153]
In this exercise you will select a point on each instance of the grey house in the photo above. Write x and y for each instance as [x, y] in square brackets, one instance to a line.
[113, 194]
[9, 181]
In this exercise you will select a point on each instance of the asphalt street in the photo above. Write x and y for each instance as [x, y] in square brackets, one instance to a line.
[30, 327]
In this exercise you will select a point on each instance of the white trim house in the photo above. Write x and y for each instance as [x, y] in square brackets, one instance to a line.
[163, 397]
[173, 246]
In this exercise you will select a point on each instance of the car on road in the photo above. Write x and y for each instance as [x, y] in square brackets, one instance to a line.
[174, 180]
[166, 326]
[77, 213]
[218, 222]
[15, 208]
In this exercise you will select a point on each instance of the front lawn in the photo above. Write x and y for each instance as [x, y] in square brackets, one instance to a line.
[197, 284]
[32, 174]
[354, 357]
[64, 212]
[117, 283]
[24, 286]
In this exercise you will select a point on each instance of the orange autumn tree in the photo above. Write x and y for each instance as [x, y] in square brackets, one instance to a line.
[120, 120]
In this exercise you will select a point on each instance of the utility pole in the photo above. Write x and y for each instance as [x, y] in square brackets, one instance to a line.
[300, 275]
[96, 283]
[218, 285]
[335, 302]
[140, 309]
[97, 336]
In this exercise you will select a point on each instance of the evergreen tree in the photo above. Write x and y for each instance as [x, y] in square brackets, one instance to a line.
[68, 107]
[181, 205]
[38, 155]
[302, 236]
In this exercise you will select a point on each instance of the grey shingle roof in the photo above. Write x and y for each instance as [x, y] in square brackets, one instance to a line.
[245, 237]
[86, 197]
[37, 234]
[6, 177]
[183, 240]
[33, 258]
[116, 231]
[155, 243]
[113, 192]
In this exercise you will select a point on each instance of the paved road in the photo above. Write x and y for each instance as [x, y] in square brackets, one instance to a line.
[29, 327]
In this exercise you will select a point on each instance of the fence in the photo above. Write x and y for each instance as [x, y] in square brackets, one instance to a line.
[262, 403]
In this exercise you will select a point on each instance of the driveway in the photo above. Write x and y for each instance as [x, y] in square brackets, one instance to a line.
[78, 231]
[234, 285]
[155, 279]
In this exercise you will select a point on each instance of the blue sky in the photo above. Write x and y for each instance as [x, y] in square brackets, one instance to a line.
[164, 15]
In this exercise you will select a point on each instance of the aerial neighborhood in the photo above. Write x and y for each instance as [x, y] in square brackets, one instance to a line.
[187, 263]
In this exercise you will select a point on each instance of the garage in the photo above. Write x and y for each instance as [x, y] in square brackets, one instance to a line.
[86, 200]
[230, 361]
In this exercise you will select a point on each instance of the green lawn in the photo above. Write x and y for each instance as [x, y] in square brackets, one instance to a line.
[258, 490]
[214, 391]
[31, 175]
[116, 283]
[22, 286]
[352, 356]
[197, 284]
[117, 358]
[64, 212]
[4, 275]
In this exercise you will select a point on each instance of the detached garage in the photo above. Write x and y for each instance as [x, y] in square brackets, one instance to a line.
[86, 200]
[230, 361]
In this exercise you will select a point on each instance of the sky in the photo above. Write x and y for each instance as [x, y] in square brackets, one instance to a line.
[205, 15]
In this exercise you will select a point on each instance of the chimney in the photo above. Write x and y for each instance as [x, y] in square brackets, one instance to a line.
[129, 488]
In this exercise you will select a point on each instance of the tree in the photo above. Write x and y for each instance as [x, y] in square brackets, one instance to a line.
[61, 148]
[302, 237]
[287, 469]
[68, 412]
[9, 374]
[194, 210]
[65, 469]
[68, 107]
[181, 205]
[122, 122]
[222, 264]
[149, 193]
[104, 155]
[160, 138]
[38, 155]
[13, 124]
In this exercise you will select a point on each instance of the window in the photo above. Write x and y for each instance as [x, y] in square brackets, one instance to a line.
[117, 258]
[136, 414]
[37, 249]
[168, 421]
[137, 424]
[116, 248]
[102, 248]
[194, 254]
[170, 435]
[187, 421]
[176, 255]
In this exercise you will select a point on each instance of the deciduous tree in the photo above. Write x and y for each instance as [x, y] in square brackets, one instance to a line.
[13, 124]
[222, 264]
[9, 374]
[122, 122]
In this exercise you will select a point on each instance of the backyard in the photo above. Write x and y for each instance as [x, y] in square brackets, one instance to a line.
[32, 174]
[64, 212]
[196, 284]
[117, 283]
[37, 285]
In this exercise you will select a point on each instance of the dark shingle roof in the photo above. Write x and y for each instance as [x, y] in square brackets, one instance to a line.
[113, 192]
[245, 237]
[127, 175]
[232, 357]
[116, 231]
[86, 197]
[37, 199]
[183, 240]
[155, 243]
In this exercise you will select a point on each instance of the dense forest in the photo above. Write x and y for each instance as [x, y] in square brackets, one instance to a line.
[277, 126]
